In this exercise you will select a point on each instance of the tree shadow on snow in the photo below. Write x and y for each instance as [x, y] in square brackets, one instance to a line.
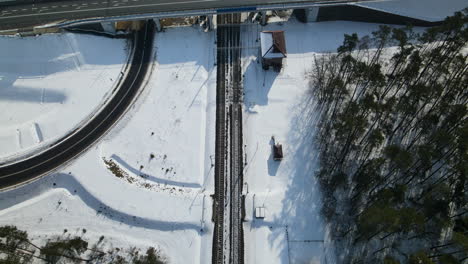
[300, 209]
[259, 83]
[151, 177]
[26, 94]
[29, 58]
[185, 45]
[318, 37]
[68, 182]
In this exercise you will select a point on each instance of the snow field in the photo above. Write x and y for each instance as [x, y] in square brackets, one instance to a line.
[165, 138]
[50, 84]
[162, 149]
[68, 205]
[279, 104]
[429, 10]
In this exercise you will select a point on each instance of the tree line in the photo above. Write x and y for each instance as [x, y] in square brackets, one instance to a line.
[393, 139]
[17, 248]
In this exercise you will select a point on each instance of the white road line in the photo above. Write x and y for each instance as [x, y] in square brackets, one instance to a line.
[110, 8]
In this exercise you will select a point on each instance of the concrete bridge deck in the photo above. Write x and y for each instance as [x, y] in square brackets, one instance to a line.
[29, 15]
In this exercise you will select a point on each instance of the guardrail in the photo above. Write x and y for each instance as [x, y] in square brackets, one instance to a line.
[214, 11]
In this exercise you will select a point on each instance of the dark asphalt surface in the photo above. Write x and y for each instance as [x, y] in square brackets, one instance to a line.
[13, 17]
[64, 151]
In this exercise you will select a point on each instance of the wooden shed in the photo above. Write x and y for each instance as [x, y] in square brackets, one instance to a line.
[277, 150]
[273, 49]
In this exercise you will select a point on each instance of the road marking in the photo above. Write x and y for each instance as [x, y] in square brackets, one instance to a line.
[110, 8]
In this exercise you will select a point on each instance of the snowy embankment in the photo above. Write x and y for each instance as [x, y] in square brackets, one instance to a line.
[147, 183]
[279, 104]
[429, 10]
[50, 85]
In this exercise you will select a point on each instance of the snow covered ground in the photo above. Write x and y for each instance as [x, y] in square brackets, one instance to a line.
[429, 10]
[51, 83]
[148, 182]
[279, 105]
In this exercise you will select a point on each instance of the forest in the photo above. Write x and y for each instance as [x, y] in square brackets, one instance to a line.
[16, 247]
[392, 135]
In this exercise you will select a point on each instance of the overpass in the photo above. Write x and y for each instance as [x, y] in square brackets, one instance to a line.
[84, 11]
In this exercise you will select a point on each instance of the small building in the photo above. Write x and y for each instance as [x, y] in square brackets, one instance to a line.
[273, 49]
[260, 212]
[277, 150]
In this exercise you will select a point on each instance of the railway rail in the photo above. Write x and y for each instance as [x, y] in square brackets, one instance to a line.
[228, 244]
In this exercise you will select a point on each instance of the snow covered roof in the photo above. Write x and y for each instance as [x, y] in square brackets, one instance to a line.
[260, 212]
[428, 10]
[273, 44]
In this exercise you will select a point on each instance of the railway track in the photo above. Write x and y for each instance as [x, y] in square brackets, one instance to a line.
[235, 118]
[228, 244]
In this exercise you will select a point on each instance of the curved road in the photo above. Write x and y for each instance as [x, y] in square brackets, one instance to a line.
[64, 151]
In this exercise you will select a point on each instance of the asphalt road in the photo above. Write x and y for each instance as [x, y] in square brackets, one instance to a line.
[13, 17]
[66, 150]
